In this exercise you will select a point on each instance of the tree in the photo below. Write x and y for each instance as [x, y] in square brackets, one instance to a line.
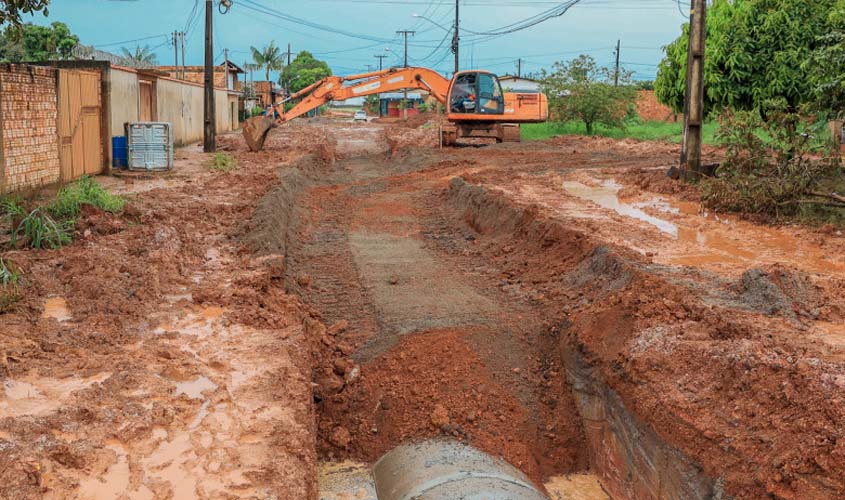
[12, 10]
[37, 43]
[755, 55]
[269, 58]
[303, 71]
[143, 54]
[580, 90]
[827, 66]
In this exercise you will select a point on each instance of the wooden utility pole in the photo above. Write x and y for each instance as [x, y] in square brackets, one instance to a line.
[209, 139]
[380, 58]
[616, 74]
[456, 38]
[694, 103]
[175, 37]
[519, 68]
[226, 68]
[405, 98]
[405, 33]
[182, 40]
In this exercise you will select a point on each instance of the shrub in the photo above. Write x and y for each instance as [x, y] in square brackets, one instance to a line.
[85, 191]
[775, 167]
[223, 162]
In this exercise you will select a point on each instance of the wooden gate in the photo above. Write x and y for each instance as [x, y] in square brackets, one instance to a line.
[80, 133]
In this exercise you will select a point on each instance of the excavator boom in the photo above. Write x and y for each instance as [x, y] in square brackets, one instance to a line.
[483, 121]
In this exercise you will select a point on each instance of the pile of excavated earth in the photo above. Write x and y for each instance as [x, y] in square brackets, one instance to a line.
[559, 306]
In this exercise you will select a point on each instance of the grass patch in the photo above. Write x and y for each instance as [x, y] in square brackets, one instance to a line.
[85, 191]
[223, 162]
[644, 131]
[39, 230]
[9, 286]
[50, 225]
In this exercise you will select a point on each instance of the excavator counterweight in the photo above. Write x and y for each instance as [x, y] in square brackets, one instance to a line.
[474, 101]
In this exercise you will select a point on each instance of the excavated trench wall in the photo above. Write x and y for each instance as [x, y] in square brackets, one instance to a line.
[632, 461]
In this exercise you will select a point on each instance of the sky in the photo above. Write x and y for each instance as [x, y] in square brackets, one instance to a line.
[348, 34]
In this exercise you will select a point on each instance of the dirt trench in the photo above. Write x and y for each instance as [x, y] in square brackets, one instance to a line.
[423, 343]
[458, 311]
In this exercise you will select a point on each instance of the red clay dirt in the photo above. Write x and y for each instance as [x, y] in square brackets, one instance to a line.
[177, 367]
[230, 333]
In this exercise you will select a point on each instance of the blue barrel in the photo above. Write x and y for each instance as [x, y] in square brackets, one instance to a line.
[120, 152]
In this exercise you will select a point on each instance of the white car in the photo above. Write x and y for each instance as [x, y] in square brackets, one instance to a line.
[360, 115]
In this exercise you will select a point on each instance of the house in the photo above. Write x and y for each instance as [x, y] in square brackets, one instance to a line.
[267, 92]
[61, 116]
[512, 83]
[389, 103]
[196, 74]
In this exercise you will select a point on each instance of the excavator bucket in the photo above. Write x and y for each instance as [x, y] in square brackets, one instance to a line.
[255, 131]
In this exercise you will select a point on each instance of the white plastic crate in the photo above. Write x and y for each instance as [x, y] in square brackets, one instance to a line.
[150, 145]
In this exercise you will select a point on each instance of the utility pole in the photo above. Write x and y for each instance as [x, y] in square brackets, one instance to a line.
[694, 103]
[380, 61]
[210, 116]
[287, 82]
[182, 40]
[519, 68]
[175, 37]
[456, 38]
[226, 68]
[616, 75]
[406, 33]
[405, 98]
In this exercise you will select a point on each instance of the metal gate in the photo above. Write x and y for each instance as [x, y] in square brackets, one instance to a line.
[80, 133]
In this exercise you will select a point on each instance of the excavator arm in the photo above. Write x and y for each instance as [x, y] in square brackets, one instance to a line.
[335, 88]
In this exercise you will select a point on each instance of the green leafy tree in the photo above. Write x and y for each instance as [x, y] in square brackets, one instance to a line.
[827, 66]
[581, 90]
[37, 43]
[303, 71]
[12, 10]
[755, 55]
[140, 54]
[371, 102]
[269, 58]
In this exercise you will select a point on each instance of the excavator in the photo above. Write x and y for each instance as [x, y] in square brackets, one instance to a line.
[474, 101]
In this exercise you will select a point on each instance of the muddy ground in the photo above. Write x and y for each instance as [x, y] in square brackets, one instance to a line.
[353, 287]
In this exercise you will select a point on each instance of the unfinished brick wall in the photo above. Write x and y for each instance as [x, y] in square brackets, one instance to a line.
[29, 153]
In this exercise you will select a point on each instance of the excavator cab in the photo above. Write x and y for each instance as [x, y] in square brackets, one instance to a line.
[476, 92]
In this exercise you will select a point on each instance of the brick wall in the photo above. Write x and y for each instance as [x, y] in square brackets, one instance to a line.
[30, 144]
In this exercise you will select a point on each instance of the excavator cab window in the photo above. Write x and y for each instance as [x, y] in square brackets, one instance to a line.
[476, 93]
[490, 99]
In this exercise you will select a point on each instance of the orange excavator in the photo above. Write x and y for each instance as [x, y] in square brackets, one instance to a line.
[474, 101]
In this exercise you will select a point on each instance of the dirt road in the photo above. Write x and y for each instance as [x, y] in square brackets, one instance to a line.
[558, 304]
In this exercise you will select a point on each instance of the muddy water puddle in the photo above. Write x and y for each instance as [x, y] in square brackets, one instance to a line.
[56, 308]
[40, 396]
[707, 240]
[194, 388]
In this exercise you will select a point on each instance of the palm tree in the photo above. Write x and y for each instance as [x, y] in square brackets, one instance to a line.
[142, 55]
[270, 58]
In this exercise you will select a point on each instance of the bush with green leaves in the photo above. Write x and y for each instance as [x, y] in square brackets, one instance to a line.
[581, 90]
[772, 168]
